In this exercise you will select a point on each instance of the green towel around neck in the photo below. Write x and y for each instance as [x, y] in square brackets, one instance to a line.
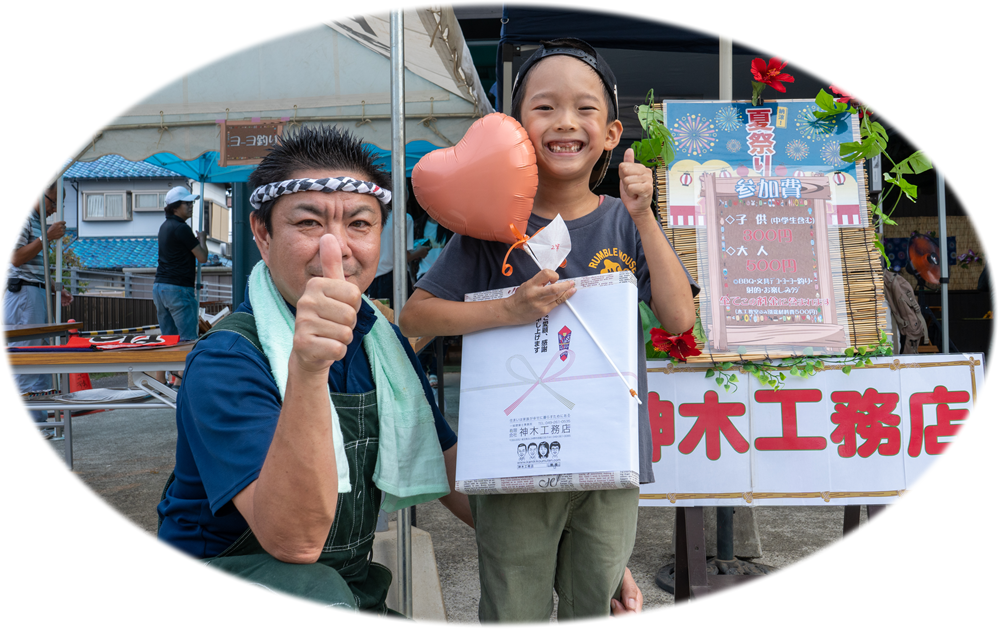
[410, 467]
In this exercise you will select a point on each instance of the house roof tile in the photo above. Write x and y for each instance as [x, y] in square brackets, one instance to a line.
[119, 253]
[116, 253]
[116, 167]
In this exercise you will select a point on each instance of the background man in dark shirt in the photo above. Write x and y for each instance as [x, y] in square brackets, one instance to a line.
[173, 289]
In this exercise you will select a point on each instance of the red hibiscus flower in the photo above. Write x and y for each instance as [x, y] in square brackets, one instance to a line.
[679, 347]
[844, 97]
[772, 75]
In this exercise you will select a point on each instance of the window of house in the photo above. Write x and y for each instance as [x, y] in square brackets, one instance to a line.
[149, 200]
[107, 206]
[217, 221]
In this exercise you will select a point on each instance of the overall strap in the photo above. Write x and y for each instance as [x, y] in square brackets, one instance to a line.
[243, 324]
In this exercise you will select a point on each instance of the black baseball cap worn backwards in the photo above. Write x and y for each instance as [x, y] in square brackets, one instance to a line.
[585, 53]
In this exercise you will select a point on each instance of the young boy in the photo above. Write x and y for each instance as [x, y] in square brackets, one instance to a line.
[576, 542]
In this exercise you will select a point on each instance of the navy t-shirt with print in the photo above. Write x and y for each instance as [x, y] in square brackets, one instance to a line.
[227, 411]
[604, 241]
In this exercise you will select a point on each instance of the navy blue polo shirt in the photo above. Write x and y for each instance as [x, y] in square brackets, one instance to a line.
[227, 411]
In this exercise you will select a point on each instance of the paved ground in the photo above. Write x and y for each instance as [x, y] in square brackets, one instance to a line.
[126, 456]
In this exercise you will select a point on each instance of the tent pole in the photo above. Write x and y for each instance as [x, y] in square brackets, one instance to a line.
[197, 264]
[725, 90]
[245, 252]
[725, 515]
[943, 257]
[57, 289]
[403, 549]
[43, 222]
[506, 98]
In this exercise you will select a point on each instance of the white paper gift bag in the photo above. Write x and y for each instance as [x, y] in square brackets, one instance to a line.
[542, 408]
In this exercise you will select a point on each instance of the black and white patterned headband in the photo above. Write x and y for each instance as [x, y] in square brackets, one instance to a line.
[271, 191]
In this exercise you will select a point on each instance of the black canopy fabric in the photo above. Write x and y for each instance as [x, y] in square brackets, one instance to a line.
[677, 63]
[528, 26]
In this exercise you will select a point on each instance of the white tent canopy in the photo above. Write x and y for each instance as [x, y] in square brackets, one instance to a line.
[434, 49]
[337, 73]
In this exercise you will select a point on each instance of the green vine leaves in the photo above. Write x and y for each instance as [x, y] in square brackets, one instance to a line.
[657, 149]
[873, 141]
[774, 374]
[771, 373]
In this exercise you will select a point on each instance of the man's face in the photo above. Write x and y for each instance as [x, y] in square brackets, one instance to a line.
[532, 449]
[521, 451]
[564, 112]
[185, 211]
[50, 202]
[555, 450]
[299, 220]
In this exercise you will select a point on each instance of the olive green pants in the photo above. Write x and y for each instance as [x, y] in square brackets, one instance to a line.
[574, 543]
[357, 585]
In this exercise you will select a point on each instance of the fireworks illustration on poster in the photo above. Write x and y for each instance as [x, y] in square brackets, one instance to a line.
[729, 119]
[830, 154]
[694, 134]
[812, 127]
[797, 150]
[564, 338]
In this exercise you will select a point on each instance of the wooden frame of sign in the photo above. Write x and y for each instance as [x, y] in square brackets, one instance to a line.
[723, 334]
[247, 142]
[856, 277]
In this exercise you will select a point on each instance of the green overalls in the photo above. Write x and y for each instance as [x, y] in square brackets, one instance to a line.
[344, 575]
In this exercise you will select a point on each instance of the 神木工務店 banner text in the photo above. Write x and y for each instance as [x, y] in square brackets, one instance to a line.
[861, 438]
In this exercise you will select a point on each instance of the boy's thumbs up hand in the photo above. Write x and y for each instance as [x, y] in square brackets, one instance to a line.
[327, 313]
[636, 185]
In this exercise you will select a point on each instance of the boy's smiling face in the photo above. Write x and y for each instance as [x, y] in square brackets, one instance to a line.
[564, 112]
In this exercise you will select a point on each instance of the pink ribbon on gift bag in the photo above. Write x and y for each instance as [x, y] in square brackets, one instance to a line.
[543, 380]
[539, 380]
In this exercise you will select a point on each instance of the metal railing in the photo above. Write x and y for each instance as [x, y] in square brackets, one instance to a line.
[136, 285]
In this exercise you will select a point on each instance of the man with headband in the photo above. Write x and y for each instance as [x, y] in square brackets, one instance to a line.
[299, 409]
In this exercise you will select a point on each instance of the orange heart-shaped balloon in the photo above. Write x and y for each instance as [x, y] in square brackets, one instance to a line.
[484, 184]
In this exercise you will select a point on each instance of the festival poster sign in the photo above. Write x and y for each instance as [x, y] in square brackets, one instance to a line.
[542, 409]
[766, 191]
[834, 438]
[769, 265]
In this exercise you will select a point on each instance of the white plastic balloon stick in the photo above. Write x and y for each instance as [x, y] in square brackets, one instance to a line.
[567, 246]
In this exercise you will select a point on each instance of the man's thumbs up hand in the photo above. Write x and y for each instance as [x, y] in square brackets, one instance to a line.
[331, 257]
[327, 313]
